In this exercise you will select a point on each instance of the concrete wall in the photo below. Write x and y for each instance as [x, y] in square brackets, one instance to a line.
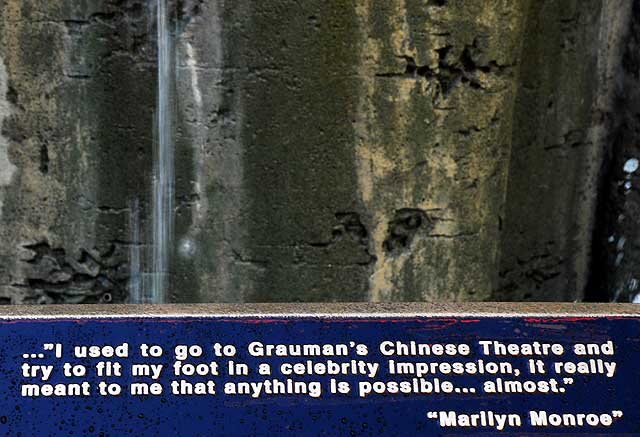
[325, 150]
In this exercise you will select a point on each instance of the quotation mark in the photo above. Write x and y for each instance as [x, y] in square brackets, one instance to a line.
[56, 347]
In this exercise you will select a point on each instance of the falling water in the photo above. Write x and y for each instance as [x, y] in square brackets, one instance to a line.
[163, 184]
[135, 278]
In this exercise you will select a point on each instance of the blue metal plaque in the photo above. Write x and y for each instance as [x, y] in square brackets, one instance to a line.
[315, 374]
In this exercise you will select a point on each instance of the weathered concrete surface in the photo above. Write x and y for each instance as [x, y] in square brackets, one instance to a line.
[350, 152]
[565, 106]
[325, 150]
[77, 97]
[617, 240]
[433, 130]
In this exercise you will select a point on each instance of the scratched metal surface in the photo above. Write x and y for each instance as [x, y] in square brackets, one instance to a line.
[26, 329]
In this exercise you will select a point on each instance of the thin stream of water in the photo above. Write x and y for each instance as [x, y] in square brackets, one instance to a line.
[135, 278]
[163, 186]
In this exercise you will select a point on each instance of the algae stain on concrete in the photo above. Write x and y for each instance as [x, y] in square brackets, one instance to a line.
[7, 169]
[379, 152]
[429, 138]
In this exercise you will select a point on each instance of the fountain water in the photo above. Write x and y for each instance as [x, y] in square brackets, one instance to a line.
[135, 278]
[163, 183]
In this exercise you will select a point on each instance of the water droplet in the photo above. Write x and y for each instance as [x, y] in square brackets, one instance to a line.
[187, 248]
[631, 165]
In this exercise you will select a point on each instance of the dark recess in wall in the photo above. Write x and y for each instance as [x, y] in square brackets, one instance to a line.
[615, 267]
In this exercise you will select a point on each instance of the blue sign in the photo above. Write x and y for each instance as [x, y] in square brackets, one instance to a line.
[320, 375]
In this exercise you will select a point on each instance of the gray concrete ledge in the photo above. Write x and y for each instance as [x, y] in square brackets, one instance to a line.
[354, 310]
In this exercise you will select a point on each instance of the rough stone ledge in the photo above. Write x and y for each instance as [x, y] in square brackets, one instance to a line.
[355, 310]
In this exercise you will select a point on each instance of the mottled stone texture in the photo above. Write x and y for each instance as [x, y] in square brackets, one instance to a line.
[433, 135]
[617, 240]
[565, 109]
[325, 150]
[77, 118]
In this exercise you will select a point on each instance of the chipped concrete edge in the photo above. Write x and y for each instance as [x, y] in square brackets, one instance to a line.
[321, 310]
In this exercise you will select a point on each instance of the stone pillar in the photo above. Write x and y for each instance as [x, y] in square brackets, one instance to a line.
[346, 151]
